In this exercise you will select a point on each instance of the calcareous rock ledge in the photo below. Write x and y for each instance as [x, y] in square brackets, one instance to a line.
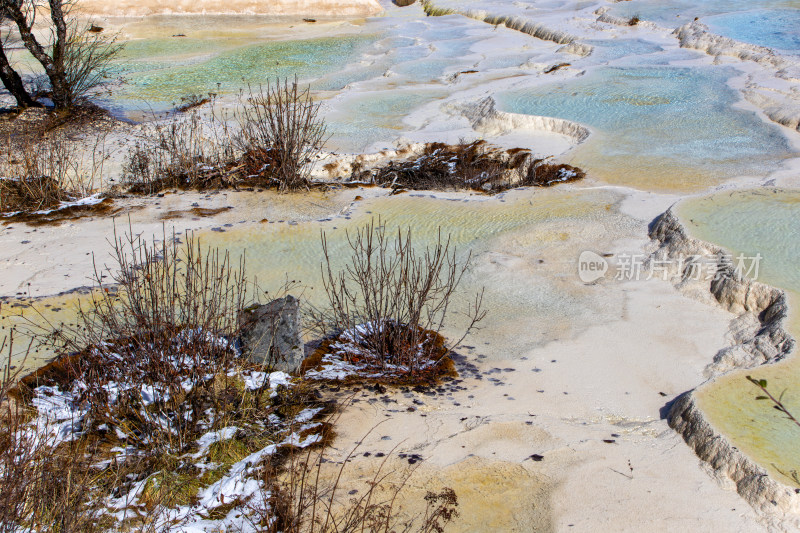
[768, 343]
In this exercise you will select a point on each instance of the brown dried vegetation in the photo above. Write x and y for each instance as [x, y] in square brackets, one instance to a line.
[477, 165]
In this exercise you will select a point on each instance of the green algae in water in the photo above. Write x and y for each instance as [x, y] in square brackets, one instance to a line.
[750, 222]
[662, 128]
[197, 66]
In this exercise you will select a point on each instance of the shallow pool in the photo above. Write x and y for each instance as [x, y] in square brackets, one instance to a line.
[678, 12]
[766, 222]
[659, 127]
[524, 247]
[159, 72]
[777, 29]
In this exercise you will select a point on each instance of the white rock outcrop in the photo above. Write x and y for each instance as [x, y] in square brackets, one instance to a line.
[485, 118]
[696, 35]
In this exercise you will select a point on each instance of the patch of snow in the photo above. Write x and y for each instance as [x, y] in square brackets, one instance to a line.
[205, 442]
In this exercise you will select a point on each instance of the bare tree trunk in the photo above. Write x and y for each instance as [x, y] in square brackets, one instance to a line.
[13, 82]
[15, 9]
[62, 96]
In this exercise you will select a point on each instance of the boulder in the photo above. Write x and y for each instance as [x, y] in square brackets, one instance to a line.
[271, 334]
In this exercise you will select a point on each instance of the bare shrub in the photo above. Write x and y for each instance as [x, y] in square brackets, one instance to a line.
[389, 303]
[275, 136]
[184, 154]
[300, 501]
[42, 173]
[280, 134]
[163, 316]
[152, 365]
[44, 485]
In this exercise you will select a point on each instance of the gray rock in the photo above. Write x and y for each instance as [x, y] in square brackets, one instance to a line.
[271, 334]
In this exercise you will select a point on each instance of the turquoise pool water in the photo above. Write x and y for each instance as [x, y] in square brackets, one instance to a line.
[614, 49]
[159, 72]
[675, 13]
[359, 121]
[771, 23]
[657, 126]
[777, 29]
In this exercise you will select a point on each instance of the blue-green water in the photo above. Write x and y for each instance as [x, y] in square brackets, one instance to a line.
[159, 72]
[675, 13]
[777, 29]
[613, 49]
[358, 122]
[659, 123]
[771, 23]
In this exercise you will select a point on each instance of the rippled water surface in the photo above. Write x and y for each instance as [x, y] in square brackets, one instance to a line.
[674, 13]
[775, 29]
[660, 126]
[159, 72]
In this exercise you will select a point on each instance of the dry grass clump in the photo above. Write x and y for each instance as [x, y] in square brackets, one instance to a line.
[441, 166]
[388, 306]
[30, 193]
[44, 485]
[276, 134]
[163, 317]
[185, 154]
[42, 173]
[193, 101]
[544, 174]
[477, 166]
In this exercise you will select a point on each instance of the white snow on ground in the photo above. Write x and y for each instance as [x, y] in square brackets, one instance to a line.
[349, 357]
[60, 418]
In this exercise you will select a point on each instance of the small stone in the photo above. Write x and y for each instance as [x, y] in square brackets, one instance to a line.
[271, 334]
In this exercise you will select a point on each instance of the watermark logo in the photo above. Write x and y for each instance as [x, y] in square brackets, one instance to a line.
[591, 266]
[640, 266]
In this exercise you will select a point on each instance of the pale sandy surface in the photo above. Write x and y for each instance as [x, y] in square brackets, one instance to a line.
[640, 345]
[325, 8]
[608, 378]
[58, 258]
[561, 401]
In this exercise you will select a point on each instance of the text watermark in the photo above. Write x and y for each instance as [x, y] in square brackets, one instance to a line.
[640, 266]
